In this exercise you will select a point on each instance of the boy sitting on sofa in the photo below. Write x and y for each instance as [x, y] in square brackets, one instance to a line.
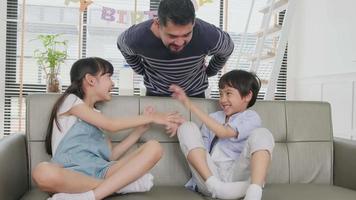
[230, 155]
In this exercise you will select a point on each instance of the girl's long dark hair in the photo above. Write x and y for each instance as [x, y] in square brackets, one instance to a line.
[80, 68]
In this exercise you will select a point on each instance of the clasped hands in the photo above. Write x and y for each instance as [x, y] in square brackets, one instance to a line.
[171, 120]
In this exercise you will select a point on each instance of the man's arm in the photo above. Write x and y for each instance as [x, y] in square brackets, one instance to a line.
[130, 56]
[221, 53]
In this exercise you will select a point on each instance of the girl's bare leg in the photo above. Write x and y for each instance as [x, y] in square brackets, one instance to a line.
[53, 178]
[129, 169]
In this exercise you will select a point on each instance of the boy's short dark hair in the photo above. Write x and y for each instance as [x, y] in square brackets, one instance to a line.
[242, 81]
[180, 12]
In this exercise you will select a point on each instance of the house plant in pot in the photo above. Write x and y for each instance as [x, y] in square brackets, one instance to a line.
[52, 54]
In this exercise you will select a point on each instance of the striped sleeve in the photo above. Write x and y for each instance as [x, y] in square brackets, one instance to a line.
[221, 53]
[134, 60]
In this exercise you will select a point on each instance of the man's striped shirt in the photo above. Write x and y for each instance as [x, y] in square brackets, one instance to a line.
[148, 56]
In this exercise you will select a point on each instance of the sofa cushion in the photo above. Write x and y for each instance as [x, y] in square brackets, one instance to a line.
[123, 106]
[35, 194]
[172, 169]
[308, 121]
[270, 192]
[279, 169]
[306, 192]
[157, 193]
[273, 117]
[38, 112]
[162, 193]
[13, 166]
[310, 162]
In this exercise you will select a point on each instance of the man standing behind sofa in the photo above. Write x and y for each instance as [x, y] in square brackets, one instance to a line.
[172, 49]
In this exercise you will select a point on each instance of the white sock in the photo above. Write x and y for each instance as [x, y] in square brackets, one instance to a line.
[254, 192]
[78, 196]
[226, 190]
[143, 184]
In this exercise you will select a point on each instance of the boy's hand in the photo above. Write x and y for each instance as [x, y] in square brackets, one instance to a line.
[179, 94]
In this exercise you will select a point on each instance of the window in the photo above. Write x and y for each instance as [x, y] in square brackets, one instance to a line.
[100, 30]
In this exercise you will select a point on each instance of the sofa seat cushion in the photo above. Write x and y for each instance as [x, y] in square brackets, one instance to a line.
[307, 192]
[271, 192]
[35, 194]
[157, 193]
[161, 193]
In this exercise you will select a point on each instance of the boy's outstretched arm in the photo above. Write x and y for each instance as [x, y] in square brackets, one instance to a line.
[219, 130]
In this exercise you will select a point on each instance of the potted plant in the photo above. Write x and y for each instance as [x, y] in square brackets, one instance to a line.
[52, 54]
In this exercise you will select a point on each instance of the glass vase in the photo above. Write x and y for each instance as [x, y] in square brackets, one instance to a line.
[53, 83]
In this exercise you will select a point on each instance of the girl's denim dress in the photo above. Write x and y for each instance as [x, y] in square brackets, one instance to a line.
[84, 149]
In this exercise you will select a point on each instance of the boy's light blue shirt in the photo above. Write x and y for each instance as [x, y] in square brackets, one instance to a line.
[243, 123]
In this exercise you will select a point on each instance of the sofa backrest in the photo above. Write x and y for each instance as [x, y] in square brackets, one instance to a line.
[302, 130]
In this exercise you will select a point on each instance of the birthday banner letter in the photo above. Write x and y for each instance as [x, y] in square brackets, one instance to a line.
[126, 17]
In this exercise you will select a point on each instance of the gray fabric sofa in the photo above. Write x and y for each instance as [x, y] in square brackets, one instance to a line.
[308, 163]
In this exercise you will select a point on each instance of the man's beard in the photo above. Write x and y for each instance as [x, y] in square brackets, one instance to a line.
[172, 50]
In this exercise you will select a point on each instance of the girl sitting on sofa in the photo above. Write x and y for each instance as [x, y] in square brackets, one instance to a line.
[84, 166]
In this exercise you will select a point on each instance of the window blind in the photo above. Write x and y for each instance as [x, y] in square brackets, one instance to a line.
[11, 112]
[2, 63]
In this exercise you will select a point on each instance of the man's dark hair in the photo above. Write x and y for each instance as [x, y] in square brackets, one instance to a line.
[180, 12]
[242, 81]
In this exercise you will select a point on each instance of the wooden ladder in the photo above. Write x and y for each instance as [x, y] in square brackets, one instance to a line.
[275, 35]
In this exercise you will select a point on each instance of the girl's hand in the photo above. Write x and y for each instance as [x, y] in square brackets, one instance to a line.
[149, 110]
[166, 118]
[172, 128]
[174, 120]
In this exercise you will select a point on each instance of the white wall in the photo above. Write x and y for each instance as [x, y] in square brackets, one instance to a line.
[322, 59]
[2, 63]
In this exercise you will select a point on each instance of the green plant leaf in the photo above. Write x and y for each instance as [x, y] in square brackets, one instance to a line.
[52, 53]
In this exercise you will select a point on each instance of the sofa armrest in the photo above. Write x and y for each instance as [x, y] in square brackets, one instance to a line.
[345, 163]
[13, 167]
